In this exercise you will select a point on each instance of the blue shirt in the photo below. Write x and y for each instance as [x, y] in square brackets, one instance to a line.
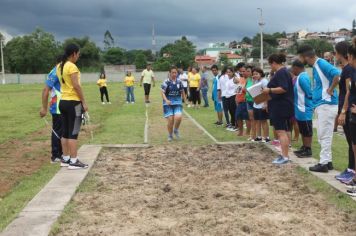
[214, 92]
[53, 83]
[303, 98]
[324, 73]
[173, 91]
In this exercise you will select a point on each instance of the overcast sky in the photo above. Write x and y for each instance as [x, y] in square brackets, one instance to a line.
[130, 21]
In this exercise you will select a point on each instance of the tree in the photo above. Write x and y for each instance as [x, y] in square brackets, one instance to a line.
[320, 46]
[140, 61]
[114, 56]
[33, 53]
[89, 52]
[245, 52]
[354, 27]
[246, 40]
[224, 61]
[162, 64]
[181, 52]
[108, 40]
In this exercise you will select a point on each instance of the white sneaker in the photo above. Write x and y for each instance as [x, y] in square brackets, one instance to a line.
[109, 102]
[103, 103]
[132, 102]
[189, 106]
[127, 102]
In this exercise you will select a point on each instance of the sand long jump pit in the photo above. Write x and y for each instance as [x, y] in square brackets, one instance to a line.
[208, 190]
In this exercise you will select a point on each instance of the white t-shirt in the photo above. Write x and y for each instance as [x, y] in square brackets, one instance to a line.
[184, 78]
[147, 76]
[222, 85]
[231, 88]
[264, 83]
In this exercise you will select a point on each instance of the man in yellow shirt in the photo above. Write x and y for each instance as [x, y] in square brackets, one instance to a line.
[129, 83]
[147, 78]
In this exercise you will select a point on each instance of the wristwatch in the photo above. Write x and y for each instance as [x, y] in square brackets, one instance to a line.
[343, 111]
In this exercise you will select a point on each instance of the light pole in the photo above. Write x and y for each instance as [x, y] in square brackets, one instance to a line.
[2, 61]
[261, 24]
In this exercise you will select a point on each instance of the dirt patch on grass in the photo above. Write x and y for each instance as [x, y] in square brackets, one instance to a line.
[23, 157]
[209, 190]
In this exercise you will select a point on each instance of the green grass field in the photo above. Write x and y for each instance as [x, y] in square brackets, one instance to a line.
[118, 123]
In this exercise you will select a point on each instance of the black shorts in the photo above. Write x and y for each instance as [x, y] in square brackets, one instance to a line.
[306, 128]
[147, 88]
[260, 114]
[280, 123]
[71, 112]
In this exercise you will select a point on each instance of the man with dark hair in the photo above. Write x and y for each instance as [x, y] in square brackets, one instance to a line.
[147, 78]
[217, 102]
[303, 107]
[204, 86]
[325, 101]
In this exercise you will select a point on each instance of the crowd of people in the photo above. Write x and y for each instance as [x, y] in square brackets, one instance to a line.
[288, 98]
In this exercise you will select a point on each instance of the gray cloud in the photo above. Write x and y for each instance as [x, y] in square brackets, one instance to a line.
[130, 21]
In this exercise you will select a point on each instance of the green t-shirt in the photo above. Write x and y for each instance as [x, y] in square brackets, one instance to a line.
[249, 83]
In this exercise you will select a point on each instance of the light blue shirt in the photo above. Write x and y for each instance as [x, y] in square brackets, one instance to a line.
[303, 100]
[324, 73]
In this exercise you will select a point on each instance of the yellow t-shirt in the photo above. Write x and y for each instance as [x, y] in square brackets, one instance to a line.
[129, 81]
[68, 92]
[194, 80]
[147, 76]
[101, 83]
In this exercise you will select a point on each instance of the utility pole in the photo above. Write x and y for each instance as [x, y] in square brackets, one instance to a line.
[261, 23]
[2, 61]
[153, 41]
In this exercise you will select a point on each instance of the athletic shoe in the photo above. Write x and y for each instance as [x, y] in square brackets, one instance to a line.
[250, 139]
[56, 160]
[103, 103]
[77, 165]
[109, 102]
[306, 153]
[127, 102]
[176, 133]
[330, 166]
[351, 192]
[301, 149]
[266, 140]
[258, 139]
[170, 138]
[319, 168]
[219, 123]
[276, 143]
[341, 175]
[189, 106]
[132, 102]
[227, 125]
[348, 177]
[351, 184]
[280, 160]
[65, 163]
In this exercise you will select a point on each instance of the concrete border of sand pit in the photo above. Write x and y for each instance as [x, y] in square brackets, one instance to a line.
[37, 218]
[305, 163]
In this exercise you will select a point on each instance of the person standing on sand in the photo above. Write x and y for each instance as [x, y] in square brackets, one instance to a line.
[147, 78]
[172, 92]
[103, 88]
[71, 106]
[53, 86]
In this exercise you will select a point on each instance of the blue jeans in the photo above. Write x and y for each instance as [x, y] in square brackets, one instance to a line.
[204, 92]
[130, 97]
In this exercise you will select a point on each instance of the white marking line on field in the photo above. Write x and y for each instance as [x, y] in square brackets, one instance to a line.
[145, 139]
[200, 127]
